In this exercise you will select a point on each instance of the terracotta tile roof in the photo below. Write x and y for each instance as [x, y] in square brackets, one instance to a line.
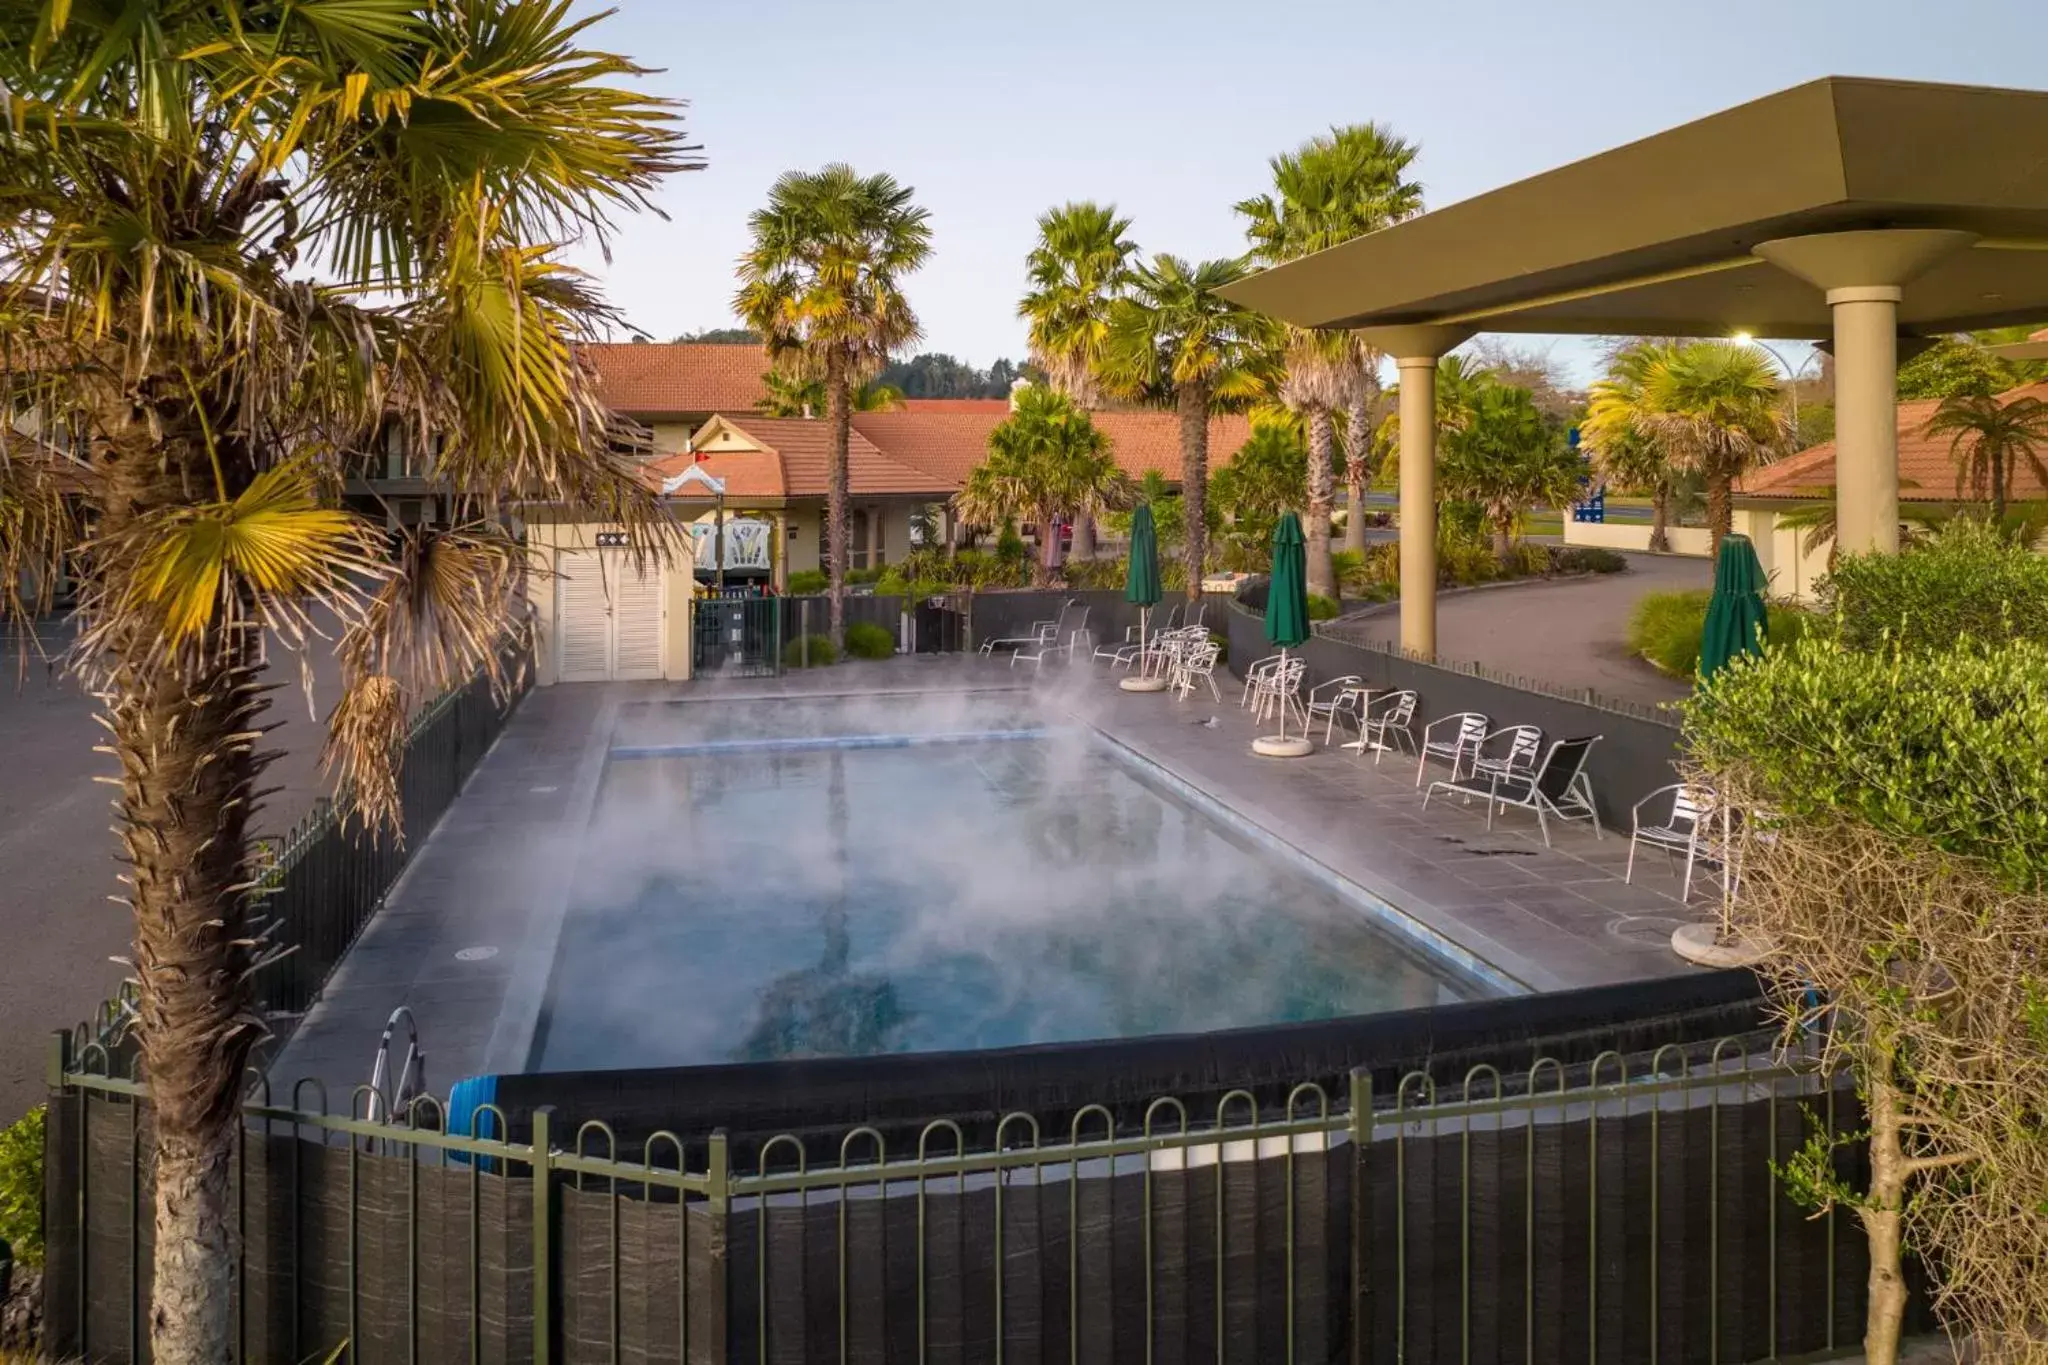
[747, 473]
[794, 461]
[1927, 470]
[658, 379]
[956, 405]
[949, 444]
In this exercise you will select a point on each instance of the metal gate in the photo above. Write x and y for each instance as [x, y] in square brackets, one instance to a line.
[738, 637]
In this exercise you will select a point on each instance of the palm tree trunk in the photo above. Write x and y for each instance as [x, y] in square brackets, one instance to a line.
[1322, 446]
[1503, 537]
[1357, 462]
[184, 738]
[1660, 517]
[1084, 536]
[1999, 476]
[1048, 561]
[839, 410]
[1720, 508]
[1194, 480]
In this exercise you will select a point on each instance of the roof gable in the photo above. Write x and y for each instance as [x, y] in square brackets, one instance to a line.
[1927, 467]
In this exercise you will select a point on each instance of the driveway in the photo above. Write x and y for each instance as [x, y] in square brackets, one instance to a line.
[58, 930]
[1571, 635]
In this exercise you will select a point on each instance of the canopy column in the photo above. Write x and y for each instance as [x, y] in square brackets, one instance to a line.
[1864, 275]
[1416, 351]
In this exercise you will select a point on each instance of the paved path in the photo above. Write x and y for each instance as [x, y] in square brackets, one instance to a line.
[58, 930]
[1571, 634]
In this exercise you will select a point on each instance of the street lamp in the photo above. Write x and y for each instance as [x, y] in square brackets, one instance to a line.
[1791, 372]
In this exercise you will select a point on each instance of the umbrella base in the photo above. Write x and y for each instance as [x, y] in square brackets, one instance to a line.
[1706, 945]
[1282, 746]
[1143, 684]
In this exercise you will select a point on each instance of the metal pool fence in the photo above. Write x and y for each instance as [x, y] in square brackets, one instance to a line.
[1622, 1212]
[328, 875]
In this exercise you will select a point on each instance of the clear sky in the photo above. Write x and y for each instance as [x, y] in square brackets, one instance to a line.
[1170, 110]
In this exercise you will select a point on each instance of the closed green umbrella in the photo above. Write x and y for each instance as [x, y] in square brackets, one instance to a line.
[1736, 621]
[1287, 615]
[1142, 589]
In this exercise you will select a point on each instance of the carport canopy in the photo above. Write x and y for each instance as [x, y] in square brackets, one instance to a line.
[1862, 213]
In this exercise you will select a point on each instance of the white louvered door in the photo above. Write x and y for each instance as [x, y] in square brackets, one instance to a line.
[636, 622]
[608, 618]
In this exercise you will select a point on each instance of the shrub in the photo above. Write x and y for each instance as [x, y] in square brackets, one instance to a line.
[1667, 626]
[809, 583]
[866, 640]
[1096, 573]
[1010, 547]
[1321, 608]
[1587, 559]
[865, 576]
[1902, 871]
[818, 648]
[1969, 580]
[1527, 561]
[21, 1188]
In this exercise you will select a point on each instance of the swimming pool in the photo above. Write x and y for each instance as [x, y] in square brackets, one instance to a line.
[847, 878]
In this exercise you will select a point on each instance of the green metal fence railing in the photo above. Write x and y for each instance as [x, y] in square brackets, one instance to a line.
[1620, 1213]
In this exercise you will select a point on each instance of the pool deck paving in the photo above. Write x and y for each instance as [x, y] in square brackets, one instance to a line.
[497, 873]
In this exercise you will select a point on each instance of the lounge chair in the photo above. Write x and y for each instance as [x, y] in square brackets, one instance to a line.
[1680, 832]
[1558, 786]
[1042, 632]
[1455, 738]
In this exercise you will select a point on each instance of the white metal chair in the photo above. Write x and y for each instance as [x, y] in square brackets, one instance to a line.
[1254, 676]
[1198, 665]
[1059, 642]
[1042, 633]
[1455, 738]
[1326, 699]
[1687, 829]
[1558, 786]
[1388, 722]
[1279, 688]
[1523, 747]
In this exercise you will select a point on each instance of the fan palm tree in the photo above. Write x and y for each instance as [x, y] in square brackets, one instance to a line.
[822, 283]
[1618, 437]
[245, 235]
[1080, 263]
[790, 395]
[1989, 440]
[1334, 187]
[1507, 458]
[1713, 407]
[1174, 338]
[1046, 460]
[1818, 521]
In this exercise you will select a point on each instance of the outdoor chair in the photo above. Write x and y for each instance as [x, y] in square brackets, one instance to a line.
[1686, 829]
[1524, 743]
[1455, 738]
[1255, 675]
[1198, 665]
[1280, 687]
[1558, 786]
[1055, 641]
[1328, 698]
[1132, 633]
[1391, 726]
[1042, 632]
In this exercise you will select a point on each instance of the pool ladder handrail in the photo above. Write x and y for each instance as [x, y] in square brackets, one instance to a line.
[385, 1105]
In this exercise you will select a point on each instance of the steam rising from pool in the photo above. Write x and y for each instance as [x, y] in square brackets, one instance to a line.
[757, 904]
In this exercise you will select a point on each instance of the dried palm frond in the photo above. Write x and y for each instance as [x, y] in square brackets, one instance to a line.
[365, 744]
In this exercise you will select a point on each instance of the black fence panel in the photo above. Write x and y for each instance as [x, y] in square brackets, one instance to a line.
[1637, 753]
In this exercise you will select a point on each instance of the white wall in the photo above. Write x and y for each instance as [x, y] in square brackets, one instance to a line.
[1620, 535]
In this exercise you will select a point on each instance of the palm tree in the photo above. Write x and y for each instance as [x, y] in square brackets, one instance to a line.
[1334, 187]
[790, 395]
[247, 234]
[822, 283]
[1080, 263]
[1619, 439]
[1713, 407]
[1174, 338]
[1507, 457]
[1989, 440]
[1046, 460]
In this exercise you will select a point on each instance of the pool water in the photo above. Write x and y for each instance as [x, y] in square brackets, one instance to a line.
[749, 905]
